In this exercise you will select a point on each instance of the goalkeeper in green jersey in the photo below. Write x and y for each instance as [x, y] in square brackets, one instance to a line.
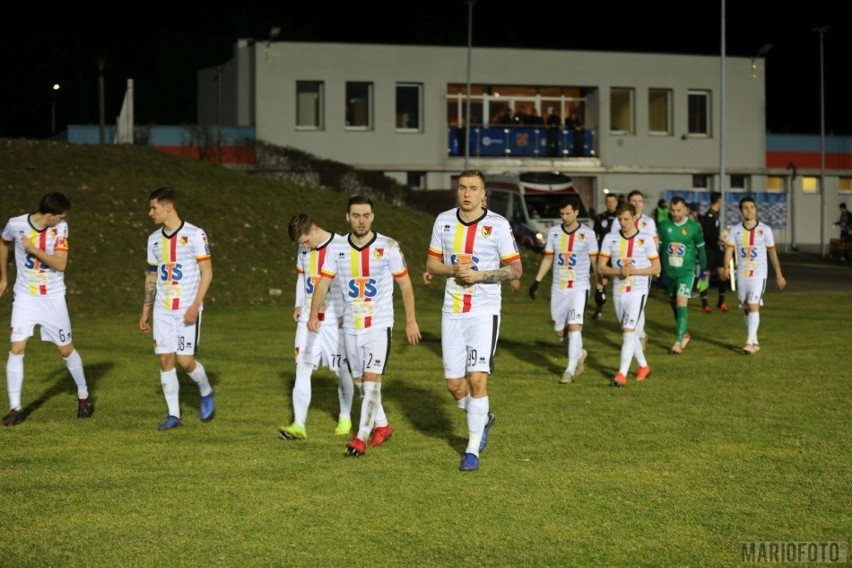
[681, 242]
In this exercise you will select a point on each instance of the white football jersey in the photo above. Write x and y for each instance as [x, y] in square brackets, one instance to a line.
[487, 242]
[573, 254]
[309, 263]
[638, 251]
[175, 259]
[34, 278]
[366, 276]
[750, 247]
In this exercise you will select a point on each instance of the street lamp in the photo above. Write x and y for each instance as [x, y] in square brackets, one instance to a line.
[53, 110]
[821, 31]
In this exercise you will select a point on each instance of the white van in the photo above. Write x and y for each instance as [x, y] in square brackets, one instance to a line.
[530, 201]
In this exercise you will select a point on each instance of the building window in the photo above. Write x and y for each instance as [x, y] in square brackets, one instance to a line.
[415, 180]
[774, 183]
[810, 184]
[702, 181]
[621, 110]
[844, 184]
[740, 182]
[359, 103]
[408, 108]
[698, 113]
[309, 105]
[660, 111]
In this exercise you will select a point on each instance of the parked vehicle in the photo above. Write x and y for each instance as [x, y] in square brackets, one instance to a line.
[530, 201]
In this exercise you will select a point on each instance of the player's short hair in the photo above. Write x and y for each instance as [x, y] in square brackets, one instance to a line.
[746, 199]
[54, 203]
[569, 200]
[473, 173]
[625, 206]
[163, 194]
[359, 200]
[299, 225]
[635, 192]
[678, 199]
[715, 196]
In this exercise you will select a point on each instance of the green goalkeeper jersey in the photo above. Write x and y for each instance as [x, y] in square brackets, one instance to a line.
[680, 246]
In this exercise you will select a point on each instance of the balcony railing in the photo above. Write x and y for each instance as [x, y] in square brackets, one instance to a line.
[522, 141]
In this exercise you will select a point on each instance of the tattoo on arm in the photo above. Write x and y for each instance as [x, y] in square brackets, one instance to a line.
[499, 275]
[150, 290]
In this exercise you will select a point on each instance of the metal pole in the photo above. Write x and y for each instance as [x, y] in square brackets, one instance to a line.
[470, 4]
[821, 32]
[101, 112]
[53, 110]
[722, 120]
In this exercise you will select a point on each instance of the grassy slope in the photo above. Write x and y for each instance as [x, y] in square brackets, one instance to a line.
[245, 218]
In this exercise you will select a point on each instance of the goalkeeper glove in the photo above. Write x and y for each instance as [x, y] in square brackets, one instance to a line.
[600, 297]
[703, 281]
[534, 289]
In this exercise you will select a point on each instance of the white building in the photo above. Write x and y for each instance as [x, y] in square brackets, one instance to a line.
[655, 120]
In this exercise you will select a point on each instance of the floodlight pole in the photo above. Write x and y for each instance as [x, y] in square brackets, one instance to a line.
[470, 4]
[821, 31]
[101, 111]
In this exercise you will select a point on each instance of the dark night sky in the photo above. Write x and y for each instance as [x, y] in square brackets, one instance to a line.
[162, 50]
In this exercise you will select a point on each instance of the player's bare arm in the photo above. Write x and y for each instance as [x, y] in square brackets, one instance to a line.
[604, 269]
[511, 271]
[148, 301]
[206, 269]
[57, 261]
[776, 265]
[4, 259]
[412, 330]
[436, 267]
[544, 267]
[317, 300]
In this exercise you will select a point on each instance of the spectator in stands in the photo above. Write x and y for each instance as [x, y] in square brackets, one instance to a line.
[554, 121]
[504, 118]
[533, 119]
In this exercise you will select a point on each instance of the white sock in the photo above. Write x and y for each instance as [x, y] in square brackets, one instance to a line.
[477, 416]
[345, 391]
[638, 352]
[171, 391]
[752, 322]
[463, 402]
[75, 366]
[369, 406]
[628, 347]
[199, 377]
[302, 393]
[575, 350]
[15, 379]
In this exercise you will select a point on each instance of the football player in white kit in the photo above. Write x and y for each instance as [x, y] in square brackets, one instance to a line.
[571, 249]
[468, 246]
[40, 241]
[180, 271]
[633, 260]
[325, 347]
[367, 264]
[750, 244]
